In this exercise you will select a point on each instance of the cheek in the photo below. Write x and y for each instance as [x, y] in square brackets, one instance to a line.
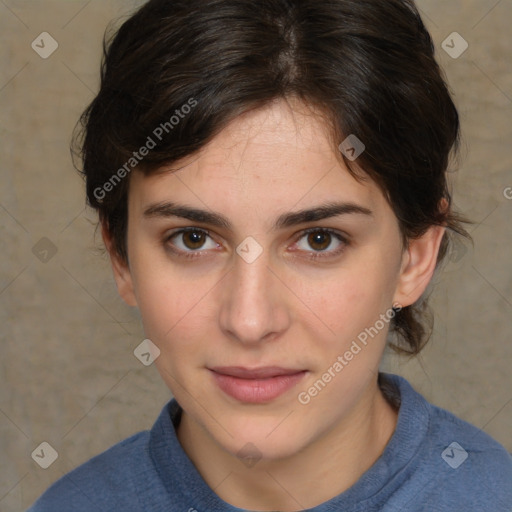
[349, 300]
[174, 318]
[176, 308]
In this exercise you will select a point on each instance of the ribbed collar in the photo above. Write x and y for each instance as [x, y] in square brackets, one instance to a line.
[180, 477]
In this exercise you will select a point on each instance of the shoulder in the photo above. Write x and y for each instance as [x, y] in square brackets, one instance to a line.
[472, 448]
[468, 467]
[446, 463]
[107, 481]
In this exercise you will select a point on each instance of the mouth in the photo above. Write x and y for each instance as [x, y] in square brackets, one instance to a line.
[256, 385]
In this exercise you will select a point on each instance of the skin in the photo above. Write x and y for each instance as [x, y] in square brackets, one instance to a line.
[285, 308]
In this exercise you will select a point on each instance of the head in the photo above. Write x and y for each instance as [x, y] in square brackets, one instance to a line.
[235, 121]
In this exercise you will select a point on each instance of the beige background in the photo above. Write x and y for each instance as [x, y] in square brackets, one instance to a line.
[68, 375]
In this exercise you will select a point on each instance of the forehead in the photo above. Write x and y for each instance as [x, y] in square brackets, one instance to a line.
[280, 155]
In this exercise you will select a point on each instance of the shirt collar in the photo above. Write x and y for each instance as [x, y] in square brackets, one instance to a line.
[180, 477]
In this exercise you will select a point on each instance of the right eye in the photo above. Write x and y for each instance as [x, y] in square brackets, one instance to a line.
[187, 242]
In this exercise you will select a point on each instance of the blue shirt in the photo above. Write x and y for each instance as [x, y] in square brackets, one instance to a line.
[433, 462]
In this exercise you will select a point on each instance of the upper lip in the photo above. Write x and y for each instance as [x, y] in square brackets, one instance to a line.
[265, 372]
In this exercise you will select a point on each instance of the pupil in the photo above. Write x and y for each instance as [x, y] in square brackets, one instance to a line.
[319, 239]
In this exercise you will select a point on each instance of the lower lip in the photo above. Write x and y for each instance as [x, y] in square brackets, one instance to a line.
[256, 391]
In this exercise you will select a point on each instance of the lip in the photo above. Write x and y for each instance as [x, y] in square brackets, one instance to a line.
[256, 385]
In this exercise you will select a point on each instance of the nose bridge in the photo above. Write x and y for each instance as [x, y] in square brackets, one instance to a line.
[251, 308]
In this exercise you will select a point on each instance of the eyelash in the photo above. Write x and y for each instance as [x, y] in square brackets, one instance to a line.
[315, 255]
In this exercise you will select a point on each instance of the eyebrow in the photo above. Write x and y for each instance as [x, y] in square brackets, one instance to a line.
[286, 220]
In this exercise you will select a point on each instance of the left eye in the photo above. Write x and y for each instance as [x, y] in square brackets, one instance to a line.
[320, 240]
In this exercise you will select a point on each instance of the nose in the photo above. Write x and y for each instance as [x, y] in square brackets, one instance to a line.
[253, 302]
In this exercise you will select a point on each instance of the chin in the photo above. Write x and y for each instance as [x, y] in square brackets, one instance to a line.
[263, 450]
[263, 438]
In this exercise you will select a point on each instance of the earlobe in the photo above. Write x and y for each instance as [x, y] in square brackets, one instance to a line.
[419, 264]
[120, 269]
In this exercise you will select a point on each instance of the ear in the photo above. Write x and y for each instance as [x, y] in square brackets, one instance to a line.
[120, 268]
[418, 266]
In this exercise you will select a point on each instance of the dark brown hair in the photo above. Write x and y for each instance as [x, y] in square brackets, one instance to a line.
[178, 71]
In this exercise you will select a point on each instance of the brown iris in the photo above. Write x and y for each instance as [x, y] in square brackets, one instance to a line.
[319, 240]
[194, 239]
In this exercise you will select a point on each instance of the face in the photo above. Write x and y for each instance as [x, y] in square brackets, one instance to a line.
[258, 308]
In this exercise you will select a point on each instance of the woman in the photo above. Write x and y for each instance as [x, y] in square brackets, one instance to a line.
[270, 179]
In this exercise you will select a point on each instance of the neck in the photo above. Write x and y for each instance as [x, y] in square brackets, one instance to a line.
[319, 472]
